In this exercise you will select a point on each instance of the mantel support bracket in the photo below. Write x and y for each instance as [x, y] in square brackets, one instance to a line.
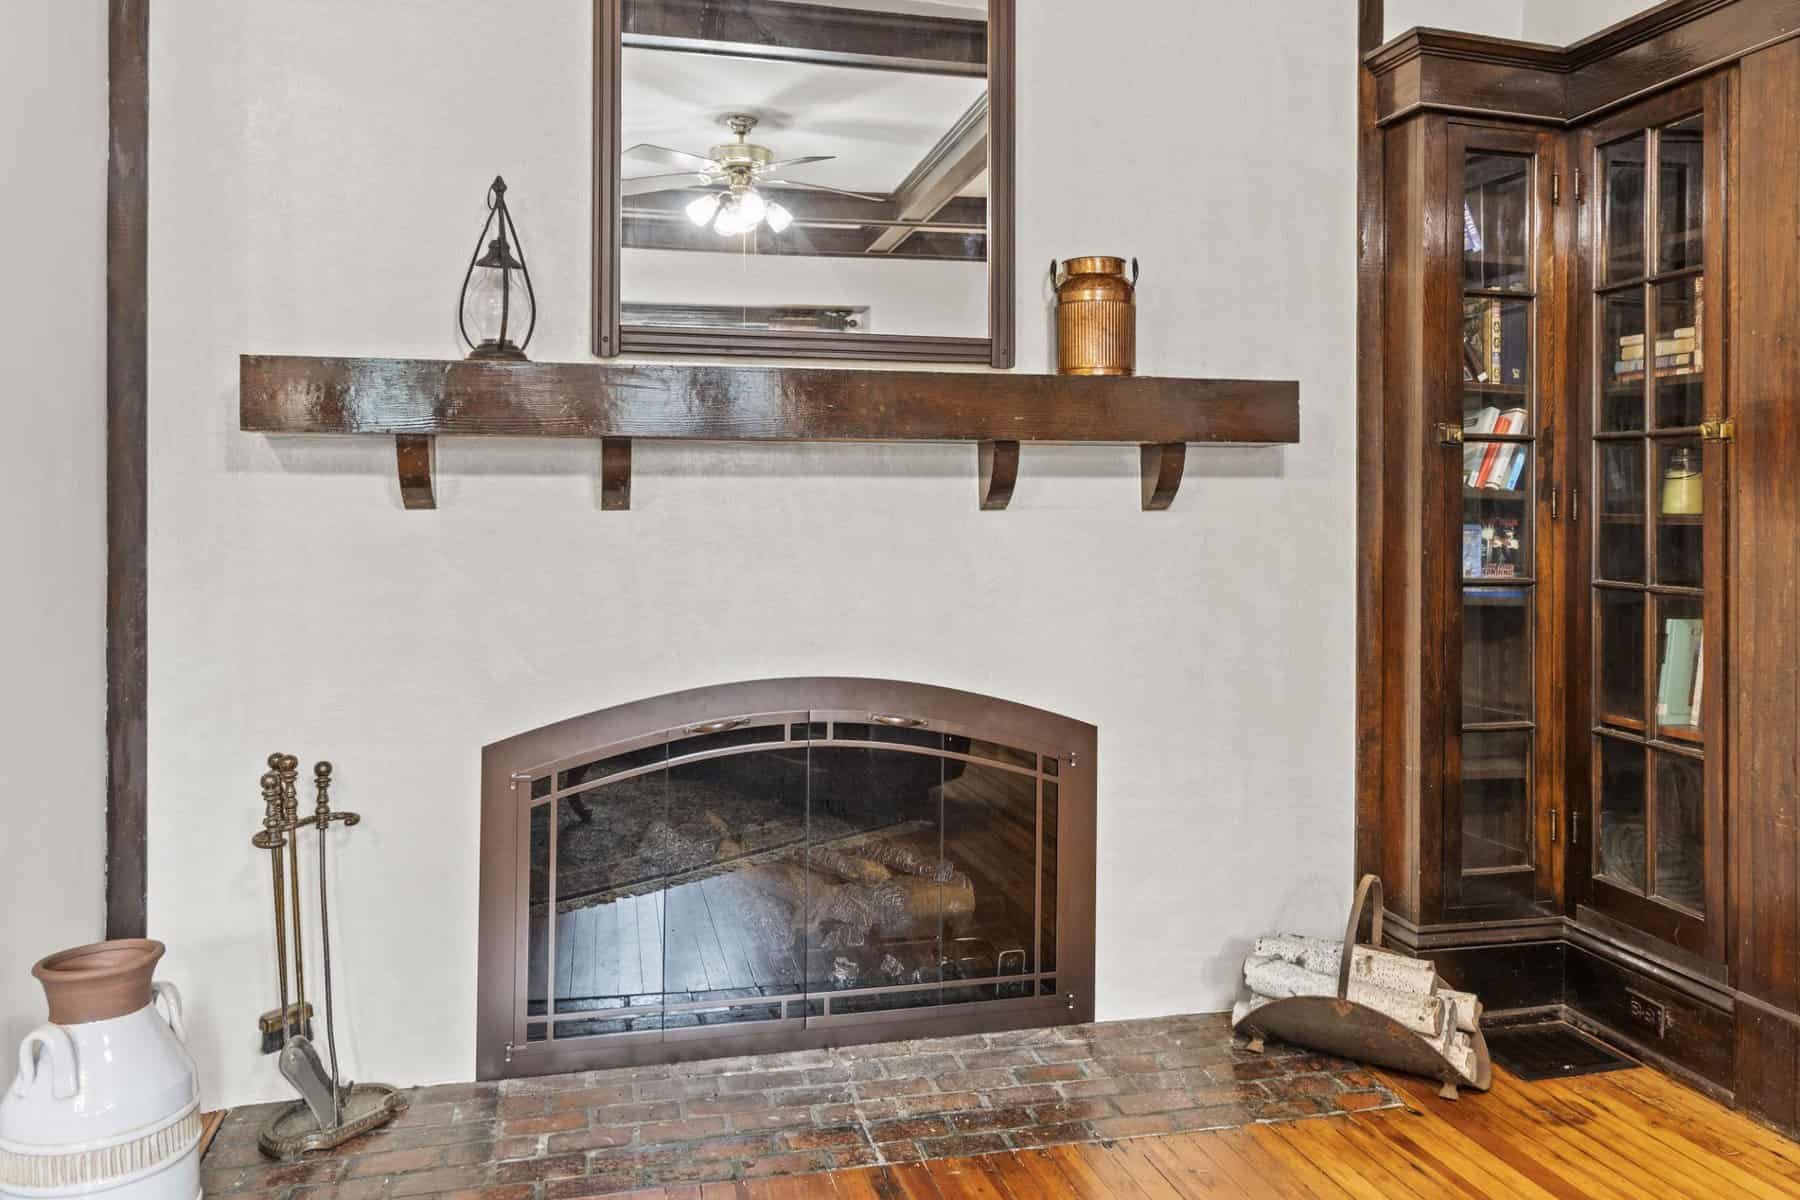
[1162, 466]
[999, 472]
[615, 474]
[415, 456]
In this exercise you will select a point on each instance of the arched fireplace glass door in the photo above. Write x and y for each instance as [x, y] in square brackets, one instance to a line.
[792, 877]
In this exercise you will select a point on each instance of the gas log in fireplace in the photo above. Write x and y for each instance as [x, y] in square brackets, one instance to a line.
[780, 865]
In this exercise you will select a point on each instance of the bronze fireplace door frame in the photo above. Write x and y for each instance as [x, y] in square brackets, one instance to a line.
[507, 766]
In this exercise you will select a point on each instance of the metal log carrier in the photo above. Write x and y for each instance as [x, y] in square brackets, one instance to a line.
[329, 1111]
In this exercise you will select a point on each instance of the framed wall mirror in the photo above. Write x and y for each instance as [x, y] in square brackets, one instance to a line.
[805, 178]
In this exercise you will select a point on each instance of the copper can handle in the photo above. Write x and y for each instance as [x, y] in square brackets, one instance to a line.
[1134, 271]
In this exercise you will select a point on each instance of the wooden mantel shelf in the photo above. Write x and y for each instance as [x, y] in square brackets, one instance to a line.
[415, 400]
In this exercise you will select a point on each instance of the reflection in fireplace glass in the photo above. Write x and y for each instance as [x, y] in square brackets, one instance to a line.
[790, 878]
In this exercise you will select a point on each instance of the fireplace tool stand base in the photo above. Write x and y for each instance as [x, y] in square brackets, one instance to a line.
[331, 1110]
[294, 1131]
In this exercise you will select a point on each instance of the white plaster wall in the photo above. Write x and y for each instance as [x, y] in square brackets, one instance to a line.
[317, 170]
[1493, 18]
[1553, 22]
[1564, 22]
[53, 492]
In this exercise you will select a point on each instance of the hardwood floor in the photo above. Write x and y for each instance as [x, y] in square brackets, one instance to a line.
[1624, 1135]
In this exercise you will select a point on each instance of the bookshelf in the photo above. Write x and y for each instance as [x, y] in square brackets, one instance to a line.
[1648, 630]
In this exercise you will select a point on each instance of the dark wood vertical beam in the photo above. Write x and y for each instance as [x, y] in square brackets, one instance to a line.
[127, 238]
[1371, 266]
[607, 50]
[1764, 647]
[415, 458]
[1002, 69]
[615, 474]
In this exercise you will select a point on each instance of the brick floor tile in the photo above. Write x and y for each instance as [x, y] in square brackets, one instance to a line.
[723, 1105]
[595, 1097]
[787, 1164]
[1049, 1135]
[689, 1129]
[556, 1122]
[983, 1120]
[960, 1144]
[531, 1170]
[740, 1146]
[824, 1139]
[912, 1106]
[1081, 1088]
[909, 1128]
[418, 1159]
[879, 1089]
[1050, 1073]
[1358, 1101]
[1137, 1126]
[594, 1137]
[443, 1179]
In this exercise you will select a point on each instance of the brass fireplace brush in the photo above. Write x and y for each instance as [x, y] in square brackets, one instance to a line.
[329, 1112]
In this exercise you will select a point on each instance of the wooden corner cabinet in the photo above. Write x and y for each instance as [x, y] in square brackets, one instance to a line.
[1579, 503]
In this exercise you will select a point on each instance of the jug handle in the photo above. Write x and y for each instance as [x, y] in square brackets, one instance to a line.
[167, 999]
[1134, 271]
[1054, 281]
[64, 1083]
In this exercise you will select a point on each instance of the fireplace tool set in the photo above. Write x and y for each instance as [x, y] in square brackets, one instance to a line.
[329, 1112]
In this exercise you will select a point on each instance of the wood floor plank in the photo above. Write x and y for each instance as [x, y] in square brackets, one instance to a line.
[1232, 1167]
[1280, 1136]
[1420, 1175]
[859, 1184]
[1708, 1123]
[1539, 1112]
[911, 1181]
[1469, 1119]
[965, 1179]
[1475, 1171]
[1129, 1155]
[1598, 1168]
[1328, 1141]
[1090, 1166]
[1041, 1174]
[1191, 1174]
[1243, 1142]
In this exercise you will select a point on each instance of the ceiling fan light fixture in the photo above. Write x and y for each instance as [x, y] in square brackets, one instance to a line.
[703, 209]
[732, 219]
[752, 205]
[778, 218]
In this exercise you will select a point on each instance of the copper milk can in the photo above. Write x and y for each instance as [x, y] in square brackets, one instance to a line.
[1096, 316]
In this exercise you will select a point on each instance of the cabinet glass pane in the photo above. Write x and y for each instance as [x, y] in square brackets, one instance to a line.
[1681, 195]
[1496, 520]
[1619, 688]
[1619, 527]
[1496, 222]
[1496, 805]
[1620, 850]
[1680, 319]
[1496, 365]
[1622, 361]
[1680, 682]
[1680, 531]
[1622, 175]
[1496, 675]
[1680, 831]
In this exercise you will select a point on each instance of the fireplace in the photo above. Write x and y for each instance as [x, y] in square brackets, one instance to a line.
[782, 864]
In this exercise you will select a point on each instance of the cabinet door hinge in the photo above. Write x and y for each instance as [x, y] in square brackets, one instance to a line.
[1574, 506]
[1574, 826]
[1578, 185]
[1555, 825]
[1555, 188]
[1717, 429]
[1448, 434]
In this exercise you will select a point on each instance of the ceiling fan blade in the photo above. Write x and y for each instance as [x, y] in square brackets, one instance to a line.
[795, 162]
[669, 158]
[819, 187]
[644, 184]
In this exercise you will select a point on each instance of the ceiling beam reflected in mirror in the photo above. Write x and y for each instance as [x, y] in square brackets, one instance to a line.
[958, 160]
[814, 33]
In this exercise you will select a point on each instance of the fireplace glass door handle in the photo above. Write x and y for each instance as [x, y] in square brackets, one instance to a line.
[718, 726]
[898, 722]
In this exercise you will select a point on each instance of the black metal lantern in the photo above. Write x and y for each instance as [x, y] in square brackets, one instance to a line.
[497, 300]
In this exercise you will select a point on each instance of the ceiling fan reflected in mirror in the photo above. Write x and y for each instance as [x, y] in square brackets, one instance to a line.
[734, 168]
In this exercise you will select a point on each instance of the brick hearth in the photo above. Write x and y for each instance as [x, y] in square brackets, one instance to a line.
[596, 1132]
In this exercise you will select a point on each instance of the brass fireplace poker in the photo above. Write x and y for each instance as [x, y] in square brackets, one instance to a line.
[329, 1112]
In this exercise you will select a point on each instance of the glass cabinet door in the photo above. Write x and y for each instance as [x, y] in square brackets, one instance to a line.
[1500, 789]
[1653, 619]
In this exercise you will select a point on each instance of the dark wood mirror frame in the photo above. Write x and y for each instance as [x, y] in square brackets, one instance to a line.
[611, 338]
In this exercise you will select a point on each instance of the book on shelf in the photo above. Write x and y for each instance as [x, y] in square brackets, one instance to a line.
[1675, 682]
[1496, 342]
[1699, 676]
[1492, 464]
[1492, 550]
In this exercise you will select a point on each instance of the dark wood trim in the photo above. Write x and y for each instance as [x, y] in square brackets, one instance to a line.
[712, 402]
[127, 497]
[415, 458]
[997, 349]
[615, 474]
[1371, 266]
[815, 33]
[1436, 69]
[607, 149]
[997, 474]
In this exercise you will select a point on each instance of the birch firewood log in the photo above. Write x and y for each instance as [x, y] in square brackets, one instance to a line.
[1278, 980]
[1390, 970]
[1294, 947]
[1465, 1007]
[1424, 1015]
